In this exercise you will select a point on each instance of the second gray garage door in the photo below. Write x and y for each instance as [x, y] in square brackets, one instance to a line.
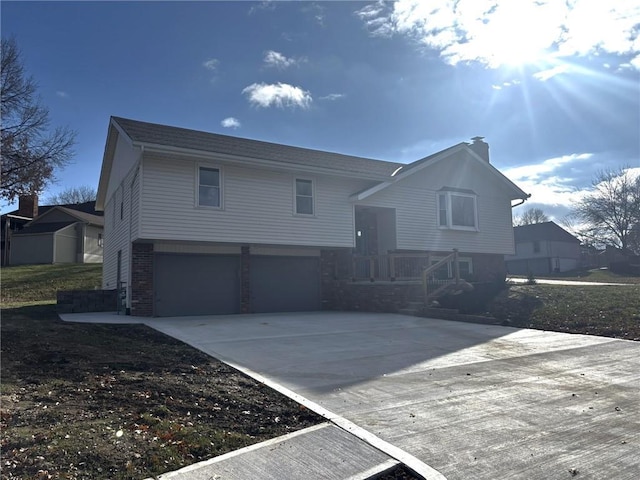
[196, 284]
[285, 284]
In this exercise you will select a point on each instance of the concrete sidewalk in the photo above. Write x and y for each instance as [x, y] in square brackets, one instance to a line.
[577, 283]
[321, 452]
[465, 400]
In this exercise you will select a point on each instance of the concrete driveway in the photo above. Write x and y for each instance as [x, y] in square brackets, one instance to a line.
[471, 401]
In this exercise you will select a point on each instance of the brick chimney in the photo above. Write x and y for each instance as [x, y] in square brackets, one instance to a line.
[28, 205]
[480, 147]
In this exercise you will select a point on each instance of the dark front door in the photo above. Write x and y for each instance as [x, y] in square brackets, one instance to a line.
[366, 232]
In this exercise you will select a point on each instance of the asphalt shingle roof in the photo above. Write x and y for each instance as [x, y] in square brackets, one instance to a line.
[43, 228]
[86, 207]
[151, 133]
[542, 231]
[84, 216]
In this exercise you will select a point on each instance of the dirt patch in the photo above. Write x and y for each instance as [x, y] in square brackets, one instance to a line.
[122, 401]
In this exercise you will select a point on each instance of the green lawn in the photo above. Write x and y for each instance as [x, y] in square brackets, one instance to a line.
[29, 284]
[612, 311]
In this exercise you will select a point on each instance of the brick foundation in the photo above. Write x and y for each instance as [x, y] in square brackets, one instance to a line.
[339, 293]
[142, 279]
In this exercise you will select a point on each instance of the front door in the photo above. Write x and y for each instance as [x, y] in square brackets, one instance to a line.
[366, 232]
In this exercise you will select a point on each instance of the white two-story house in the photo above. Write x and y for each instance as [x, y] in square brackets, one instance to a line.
[202, 223]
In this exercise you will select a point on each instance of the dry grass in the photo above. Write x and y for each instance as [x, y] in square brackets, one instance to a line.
[612, 311]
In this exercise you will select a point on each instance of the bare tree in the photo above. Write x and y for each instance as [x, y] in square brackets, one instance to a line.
[531, 216]
[30, 150]
[610, 212]
[80, 194]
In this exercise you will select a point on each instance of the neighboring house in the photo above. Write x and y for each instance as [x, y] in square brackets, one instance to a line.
[543, 248]
[201, 223]
[55, 234]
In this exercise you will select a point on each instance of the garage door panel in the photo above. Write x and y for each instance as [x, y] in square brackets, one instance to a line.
[285, 284]
[196, 284]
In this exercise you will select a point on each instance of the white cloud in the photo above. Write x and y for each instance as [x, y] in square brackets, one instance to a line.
[505, 84]
[211, 64]
[62, 94]
[277, 60]
[278, 95]
[545, 75]
[264, 5]
[549, 182]
[333, 96]
[499, 32]
[231, 122]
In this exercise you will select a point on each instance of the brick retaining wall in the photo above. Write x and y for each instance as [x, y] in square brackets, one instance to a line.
[388, 297]
[80, 301]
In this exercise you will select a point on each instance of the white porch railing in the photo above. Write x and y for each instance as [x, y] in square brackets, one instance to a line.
[418, 267]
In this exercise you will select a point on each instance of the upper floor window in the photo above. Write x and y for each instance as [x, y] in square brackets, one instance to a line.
[100, 241]
[457, 211]
[209, 187]
[536, 246]
[304, 197]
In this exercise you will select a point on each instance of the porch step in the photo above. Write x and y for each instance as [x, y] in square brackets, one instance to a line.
[412, 308]
[418, 308]
[454, 315]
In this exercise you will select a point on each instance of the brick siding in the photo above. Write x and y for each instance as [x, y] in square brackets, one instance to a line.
[142, 279]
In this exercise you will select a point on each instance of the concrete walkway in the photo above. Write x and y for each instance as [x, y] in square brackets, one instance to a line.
[547, 281]
[464, 400]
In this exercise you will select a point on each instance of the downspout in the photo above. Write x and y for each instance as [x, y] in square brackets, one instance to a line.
[130, 246]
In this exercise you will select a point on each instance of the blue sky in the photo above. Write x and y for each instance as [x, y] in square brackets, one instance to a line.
[554, 87]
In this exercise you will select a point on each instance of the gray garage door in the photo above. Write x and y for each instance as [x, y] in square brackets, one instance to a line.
[285, 284]
[196, 284]
[537, 266]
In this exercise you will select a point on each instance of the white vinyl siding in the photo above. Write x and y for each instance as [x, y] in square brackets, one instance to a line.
[257, 207]
[135, 205]
[415, 200]
[120, 232]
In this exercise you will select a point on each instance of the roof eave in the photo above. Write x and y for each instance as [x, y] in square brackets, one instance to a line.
[115, 132]
[209, 155]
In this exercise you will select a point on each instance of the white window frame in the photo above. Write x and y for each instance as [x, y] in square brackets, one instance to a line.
[295, 197]
[448, 210]
[220, 205]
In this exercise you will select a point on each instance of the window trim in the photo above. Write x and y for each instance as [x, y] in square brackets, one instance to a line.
[208, 166]
[448, 210]
[295, 197]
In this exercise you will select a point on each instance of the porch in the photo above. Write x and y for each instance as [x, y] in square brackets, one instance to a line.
[427, 275]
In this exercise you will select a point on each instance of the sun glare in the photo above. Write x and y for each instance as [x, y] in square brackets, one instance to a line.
[518, 33]
[508, 33]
